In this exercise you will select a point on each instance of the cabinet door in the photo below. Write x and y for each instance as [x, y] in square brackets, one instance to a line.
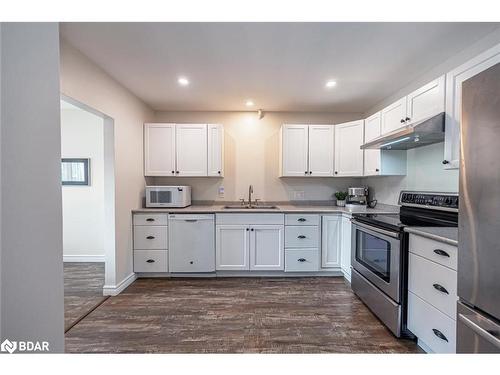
[267, 247]
[231, 247]
[191, 149]
[215, 150]
[372, 157]
[348, 155]
[427, 100]
[331, 241]
[345, 262]
[454, 81]
[159, 149]
[321, 150]
[393, 117]
[294, 145]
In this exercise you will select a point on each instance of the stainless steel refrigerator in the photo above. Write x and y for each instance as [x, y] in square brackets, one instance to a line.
[478, 313]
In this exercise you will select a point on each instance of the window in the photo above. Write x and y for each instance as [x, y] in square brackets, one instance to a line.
[75, 171]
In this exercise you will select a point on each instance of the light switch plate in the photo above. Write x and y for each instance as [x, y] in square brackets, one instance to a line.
[221, 192]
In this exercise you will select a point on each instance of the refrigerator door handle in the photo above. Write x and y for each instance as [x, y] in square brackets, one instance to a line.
[485, 334]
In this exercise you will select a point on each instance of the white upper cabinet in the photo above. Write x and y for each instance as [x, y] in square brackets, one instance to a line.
[454, 80]
[215, 150]
[393, 117]
[426, 101]
[191, 149]
[159, 149]
[183, 150]
[348, 154]
[294, 150]
[372, 157]
[381, 162]
[321, 150]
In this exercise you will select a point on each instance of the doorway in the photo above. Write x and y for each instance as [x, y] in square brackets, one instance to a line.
[87, 177]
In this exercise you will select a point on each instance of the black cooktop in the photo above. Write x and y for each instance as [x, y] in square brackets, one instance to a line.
[416, 215]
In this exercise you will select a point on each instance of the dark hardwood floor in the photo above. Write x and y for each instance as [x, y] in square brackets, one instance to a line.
[83, 284]
[234, 315]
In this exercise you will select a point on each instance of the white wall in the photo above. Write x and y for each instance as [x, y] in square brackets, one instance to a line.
[252, 157]
[424, 172]
[82, 136]
[84, 81]
[31, 287]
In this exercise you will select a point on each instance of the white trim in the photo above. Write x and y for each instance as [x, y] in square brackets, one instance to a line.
[84, 258]
[334, 272]
[114, 290]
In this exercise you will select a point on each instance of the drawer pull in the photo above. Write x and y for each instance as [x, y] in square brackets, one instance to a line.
[301, 219]
[150, 237]
[301, 260]
[301, 236]
[441, 288]
[150, 261]
[442, 253]
[191, 220]
[191, 262]
[439, 334]
[150, 219]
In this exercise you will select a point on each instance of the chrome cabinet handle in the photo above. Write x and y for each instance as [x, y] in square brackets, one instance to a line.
[150, 219]
[301, 236]
[440, 288]
[150, 261]
[301, 259]
[442, 253]
[439, 334]
[150, 237]
[301, 219]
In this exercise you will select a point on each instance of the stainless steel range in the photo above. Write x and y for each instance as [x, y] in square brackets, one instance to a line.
[380, 252]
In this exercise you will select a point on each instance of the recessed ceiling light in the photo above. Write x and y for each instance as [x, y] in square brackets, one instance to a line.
[183, 81]
[330, 84]
[249, 103]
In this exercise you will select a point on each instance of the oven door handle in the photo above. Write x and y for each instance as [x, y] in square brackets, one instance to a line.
[376, 229]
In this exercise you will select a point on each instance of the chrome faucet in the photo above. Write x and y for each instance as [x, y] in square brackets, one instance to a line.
[250, 191]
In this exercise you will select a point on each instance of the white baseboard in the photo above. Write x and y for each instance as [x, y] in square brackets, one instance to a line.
[114, 290]
[84, 258]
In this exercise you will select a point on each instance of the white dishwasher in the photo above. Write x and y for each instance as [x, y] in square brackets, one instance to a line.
[191, 246]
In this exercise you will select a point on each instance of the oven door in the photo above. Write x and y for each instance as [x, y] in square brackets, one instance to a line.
[376, 255]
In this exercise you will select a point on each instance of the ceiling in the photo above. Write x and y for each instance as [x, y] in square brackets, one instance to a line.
[280, 66]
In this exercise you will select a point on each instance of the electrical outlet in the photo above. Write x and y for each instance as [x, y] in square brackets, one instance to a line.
[299, 195]
[221, 192]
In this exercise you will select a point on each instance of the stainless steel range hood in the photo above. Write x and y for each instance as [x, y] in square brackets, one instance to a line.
[417, 134]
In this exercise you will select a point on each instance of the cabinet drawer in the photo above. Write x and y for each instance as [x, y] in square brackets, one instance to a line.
[436, 251]
[150, 219]
[150, 237]
[150, 261]
[427, 323]
[297, 219]
[297, 260]
[301, 236]
[427, 279]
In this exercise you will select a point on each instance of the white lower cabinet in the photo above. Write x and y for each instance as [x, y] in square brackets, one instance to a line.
[331, 245]
[432, 294]
[345, 259]
[434, 329]
[267, 248]
[301, 260]
[254, 242]
[232, 247]
[150, 261]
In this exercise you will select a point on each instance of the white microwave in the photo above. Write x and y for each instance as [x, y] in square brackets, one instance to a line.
[168, 196]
